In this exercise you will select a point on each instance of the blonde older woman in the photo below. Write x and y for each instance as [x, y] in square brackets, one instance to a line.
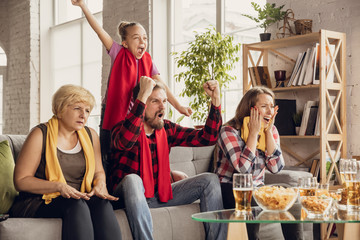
[59, 172]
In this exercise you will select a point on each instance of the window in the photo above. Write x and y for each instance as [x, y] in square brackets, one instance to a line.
[76, 51]
[188, 16]
[3, 63]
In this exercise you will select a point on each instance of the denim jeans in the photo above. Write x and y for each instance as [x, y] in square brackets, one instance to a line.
[205, 187]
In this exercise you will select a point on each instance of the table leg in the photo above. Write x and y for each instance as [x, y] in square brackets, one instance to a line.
[348, 231]
[237, 231]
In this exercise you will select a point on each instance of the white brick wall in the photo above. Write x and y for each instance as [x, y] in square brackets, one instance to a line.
[113, 13]
[341, 16]
[20, 39]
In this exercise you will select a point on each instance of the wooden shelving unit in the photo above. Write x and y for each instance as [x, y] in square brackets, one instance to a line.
[327, 107]
[331, 111]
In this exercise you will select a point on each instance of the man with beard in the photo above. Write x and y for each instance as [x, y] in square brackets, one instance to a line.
[140, 175]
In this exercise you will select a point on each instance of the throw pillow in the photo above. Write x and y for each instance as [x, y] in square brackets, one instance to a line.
[7, 189]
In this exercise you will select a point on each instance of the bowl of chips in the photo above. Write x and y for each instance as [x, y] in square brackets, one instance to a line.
[275, 198]
[316, 206]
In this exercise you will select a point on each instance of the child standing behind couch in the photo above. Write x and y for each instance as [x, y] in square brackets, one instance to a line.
[130, 61]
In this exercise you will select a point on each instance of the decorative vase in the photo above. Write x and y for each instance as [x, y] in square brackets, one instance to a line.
[297, 130]
[280, 77]
[265, 36]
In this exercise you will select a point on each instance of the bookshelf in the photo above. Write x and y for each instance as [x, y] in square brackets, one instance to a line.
[330, 94]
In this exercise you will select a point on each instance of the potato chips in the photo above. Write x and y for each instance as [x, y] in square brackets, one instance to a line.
[275, 197]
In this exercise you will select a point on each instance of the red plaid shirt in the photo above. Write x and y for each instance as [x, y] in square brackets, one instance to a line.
[125, 145]
[234, 156]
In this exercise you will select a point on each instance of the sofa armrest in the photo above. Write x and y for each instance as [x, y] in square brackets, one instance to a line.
[285, 176]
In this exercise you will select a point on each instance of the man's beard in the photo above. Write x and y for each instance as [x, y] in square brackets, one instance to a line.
[152, 122]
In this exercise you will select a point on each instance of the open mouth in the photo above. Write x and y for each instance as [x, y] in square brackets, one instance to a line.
[267, 119]
[141, 51]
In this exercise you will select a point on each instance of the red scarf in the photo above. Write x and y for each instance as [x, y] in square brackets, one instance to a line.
[146, 168]
[123, 79]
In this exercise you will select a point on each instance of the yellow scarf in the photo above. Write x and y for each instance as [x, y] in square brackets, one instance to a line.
[261, 143]
[53, 170]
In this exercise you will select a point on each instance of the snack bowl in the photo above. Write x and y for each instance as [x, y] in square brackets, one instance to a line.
[316, 206]
[275, 198]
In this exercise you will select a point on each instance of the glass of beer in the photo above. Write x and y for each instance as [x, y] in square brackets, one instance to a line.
[242, 189]
[322, 189]
[352, 183]
[307, 186]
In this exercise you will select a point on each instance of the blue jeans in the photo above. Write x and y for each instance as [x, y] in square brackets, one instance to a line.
[205, 187]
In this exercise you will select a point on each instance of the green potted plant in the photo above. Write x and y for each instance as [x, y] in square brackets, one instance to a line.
[210, 56]
[297, 117]
[267, 15]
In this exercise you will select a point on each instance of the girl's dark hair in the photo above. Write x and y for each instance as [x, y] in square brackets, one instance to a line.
[122, 28]
[247, 102]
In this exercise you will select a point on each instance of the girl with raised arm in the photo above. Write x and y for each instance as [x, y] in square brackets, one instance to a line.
[130, 61]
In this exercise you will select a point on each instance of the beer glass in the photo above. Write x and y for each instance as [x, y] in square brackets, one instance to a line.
[352, 183]
[307, 186]
[343, 162]
[342, 167]
[322, 189]
[242, 189]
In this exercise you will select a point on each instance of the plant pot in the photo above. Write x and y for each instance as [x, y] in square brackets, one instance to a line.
[265, 36]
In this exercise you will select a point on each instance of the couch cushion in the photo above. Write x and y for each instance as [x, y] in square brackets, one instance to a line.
[31, 228]
[191, 160]
[7, 189]
[285, 176]
[16, 143]
[181, 159]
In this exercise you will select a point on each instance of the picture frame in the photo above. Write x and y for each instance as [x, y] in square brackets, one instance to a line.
[260, 76]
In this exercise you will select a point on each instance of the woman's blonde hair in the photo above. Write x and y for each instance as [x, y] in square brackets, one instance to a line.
[247, 102]
[70, 94]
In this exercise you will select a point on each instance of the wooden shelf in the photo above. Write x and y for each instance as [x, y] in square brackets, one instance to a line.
[330, 113]
[286, 42]
[295, 88]
[299, 137]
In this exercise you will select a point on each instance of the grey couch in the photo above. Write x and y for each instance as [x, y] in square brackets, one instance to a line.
[169, 223]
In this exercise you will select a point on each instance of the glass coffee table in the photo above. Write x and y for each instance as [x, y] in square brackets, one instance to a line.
[293, 215]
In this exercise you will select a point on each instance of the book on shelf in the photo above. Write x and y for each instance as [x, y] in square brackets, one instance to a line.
[308, 77]
[317, 169]
[304, 67]
[305, 117]
[329, 73]
[295, 69]
[317, 124]
[260, 75]
[310, 127]
[297, 76]
[284, 119]
[313, 166]
[252, 77]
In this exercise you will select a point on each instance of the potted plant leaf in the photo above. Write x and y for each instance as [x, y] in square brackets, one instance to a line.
[210, 56]
[267, 15]
[297, 117]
